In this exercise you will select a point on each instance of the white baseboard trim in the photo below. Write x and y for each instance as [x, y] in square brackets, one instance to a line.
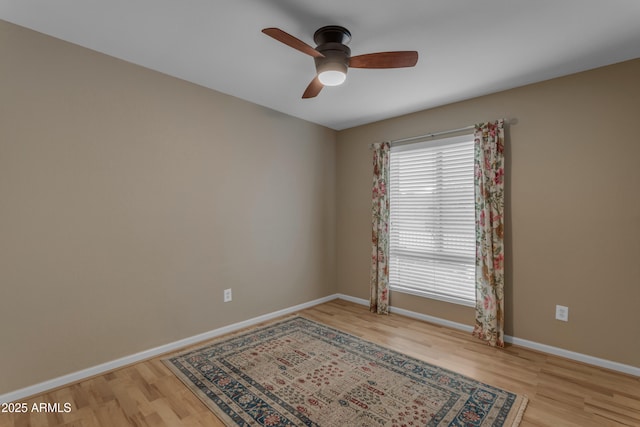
[147, 354]
[578, 357]
[544, 348]
[177, 345]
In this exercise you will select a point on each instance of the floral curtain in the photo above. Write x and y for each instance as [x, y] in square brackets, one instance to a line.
[489, 202]
[379, 279]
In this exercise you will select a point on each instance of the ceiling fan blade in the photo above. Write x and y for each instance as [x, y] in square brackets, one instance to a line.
[399, 59]
[291, 41]
[313, 89]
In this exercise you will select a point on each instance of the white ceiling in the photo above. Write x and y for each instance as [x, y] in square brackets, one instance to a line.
[467, 48]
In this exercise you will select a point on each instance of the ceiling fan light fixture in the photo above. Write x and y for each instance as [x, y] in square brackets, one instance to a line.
[332, 73]
[332, 77]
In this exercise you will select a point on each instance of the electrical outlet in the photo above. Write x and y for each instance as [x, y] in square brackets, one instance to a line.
[227, 295]
[562, 313]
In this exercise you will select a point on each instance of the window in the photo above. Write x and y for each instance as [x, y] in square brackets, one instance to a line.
[432, 231]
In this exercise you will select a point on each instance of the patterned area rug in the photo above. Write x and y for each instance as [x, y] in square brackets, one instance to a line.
[297, 372]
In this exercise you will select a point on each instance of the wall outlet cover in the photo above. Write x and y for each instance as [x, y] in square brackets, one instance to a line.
[562, 313]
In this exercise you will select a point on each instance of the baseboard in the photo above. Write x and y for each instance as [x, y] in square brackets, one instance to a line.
[556, 351]
[578, 357]
[177, 345]
[147, 354]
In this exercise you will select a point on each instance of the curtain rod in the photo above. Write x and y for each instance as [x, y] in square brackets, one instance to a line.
[427, 135]
[402, 141]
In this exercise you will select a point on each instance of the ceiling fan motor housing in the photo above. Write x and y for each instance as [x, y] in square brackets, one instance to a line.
[332, 34]
[332, 42]
[336, 57]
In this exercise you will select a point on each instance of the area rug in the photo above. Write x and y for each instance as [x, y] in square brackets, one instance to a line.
[298, 372]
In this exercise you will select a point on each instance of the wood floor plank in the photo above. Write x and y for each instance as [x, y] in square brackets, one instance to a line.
[562, 393]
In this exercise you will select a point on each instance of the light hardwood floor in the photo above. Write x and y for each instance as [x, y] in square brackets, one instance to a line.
[561, 392]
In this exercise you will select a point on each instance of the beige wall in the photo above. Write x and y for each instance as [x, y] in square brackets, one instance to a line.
[572, 208]
[129, 200]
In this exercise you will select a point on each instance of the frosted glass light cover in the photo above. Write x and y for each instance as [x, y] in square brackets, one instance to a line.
[332, 77]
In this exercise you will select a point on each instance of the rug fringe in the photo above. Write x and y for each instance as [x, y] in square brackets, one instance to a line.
[520, 413]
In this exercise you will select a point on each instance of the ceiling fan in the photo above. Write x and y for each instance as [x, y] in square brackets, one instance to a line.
[333, 57]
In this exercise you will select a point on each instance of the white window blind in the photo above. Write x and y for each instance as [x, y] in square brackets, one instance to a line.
[432, 230]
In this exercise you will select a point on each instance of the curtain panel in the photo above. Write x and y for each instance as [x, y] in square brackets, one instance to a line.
[379, 276]
[489, 206]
